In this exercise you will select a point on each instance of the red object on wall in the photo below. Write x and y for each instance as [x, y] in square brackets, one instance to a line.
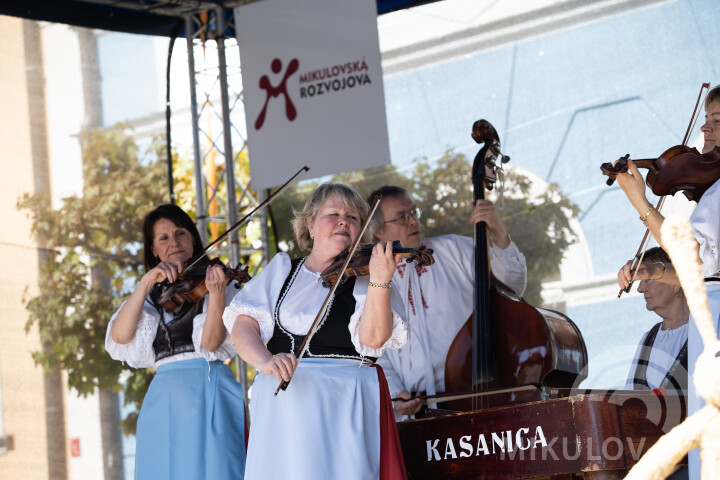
[74, 447]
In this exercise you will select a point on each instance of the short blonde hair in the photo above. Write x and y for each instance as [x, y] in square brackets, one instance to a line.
[351, 199]
[712, 96]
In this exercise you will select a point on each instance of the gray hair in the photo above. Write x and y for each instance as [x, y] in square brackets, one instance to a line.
[378, 220]
[350, 198]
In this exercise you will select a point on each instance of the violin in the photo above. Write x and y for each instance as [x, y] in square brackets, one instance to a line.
[191, 286]
[359, 265]
[677, 169]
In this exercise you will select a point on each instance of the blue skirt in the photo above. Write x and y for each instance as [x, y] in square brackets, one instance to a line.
[191, 424]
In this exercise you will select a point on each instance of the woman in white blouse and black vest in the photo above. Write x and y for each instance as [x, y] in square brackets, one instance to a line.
[662, 355]
[335, 419]
[192, 422]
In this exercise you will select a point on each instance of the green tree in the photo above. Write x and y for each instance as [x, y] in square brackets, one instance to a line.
[93, 262]
[538, 222]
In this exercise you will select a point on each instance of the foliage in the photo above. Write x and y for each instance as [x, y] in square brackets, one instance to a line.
[93, 260]
[538, 222]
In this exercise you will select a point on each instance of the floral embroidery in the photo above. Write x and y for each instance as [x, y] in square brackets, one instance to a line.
[410, 298]
[401, 269]
[420, 268]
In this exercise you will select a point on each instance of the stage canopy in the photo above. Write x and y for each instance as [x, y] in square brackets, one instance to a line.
[149, 17]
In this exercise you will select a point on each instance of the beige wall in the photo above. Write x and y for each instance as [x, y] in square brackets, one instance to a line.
[32, 406]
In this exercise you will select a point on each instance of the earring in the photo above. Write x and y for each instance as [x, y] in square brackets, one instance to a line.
[677, 294]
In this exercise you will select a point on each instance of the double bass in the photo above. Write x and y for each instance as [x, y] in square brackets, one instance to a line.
[520, 422]
[506, 342]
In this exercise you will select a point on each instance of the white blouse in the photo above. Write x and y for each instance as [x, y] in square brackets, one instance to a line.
[301, 305]
[139, 352]
[665, 350]
[705, 220]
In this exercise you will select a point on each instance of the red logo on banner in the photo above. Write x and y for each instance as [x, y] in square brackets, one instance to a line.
[271, 91]
[74, 447]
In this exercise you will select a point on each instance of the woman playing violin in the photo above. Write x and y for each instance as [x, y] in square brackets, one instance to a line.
[328, 423]
[705, 220]
[191, 423]
[706, 217]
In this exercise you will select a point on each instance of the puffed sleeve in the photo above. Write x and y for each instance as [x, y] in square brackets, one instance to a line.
[227, 348]
[705, 220]
[398, 336]
[139, 352]
[259, 296]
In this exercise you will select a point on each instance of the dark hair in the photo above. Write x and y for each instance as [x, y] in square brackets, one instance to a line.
[656, 255]
[387, 191]
[712, 96]
[176, 215]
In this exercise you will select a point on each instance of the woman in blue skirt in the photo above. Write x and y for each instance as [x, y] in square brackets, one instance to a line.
[192, 421]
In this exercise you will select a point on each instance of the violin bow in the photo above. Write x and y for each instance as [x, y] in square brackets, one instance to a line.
[637, 260]
[322, 312]
[247, 217]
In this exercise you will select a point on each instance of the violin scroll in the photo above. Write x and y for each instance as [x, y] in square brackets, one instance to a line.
[613, 169]
[359, 265]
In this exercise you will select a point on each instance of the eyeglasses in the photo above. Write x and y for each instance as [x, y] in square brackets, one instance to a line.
[405, 217]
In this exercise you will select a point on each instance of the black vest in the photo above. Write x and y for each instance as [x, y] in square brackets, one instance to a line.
[332, 338]
[675, 379]
[175, 336]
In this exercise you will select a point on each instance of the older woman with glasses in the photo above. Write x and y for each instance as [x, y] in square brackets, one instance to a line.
[661, 357]
[438, 299]
[329, 421]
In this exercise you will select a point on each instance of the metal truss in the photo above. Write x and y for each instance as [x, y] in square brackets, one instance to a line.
[215, 101]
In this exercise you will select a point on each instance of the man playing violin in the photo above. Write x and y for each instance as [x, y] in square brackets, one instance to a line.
[438, 299]
[705, 220]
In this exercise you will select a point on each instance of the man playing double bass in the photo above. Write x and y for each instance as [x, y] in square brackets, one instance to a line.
[438, 299]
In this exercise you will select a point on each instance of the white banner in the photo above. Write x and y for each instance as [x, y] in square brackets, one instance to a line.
[312, 87]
